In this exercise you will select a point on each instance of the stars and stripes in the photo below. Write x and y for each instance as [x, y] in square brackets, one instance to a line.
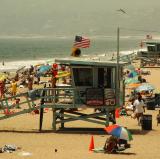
[81, 42]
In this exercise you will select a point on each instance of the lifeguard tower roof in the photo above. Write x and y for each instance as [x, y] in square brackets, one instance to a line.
[88, 61]
[151, 41]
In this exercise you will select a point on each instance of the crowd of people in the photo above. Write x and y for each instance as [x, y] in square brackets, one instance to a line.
[27, 78]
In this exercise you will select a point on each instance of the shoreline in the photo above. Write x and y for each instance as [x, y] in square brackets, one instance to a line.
[13, 65]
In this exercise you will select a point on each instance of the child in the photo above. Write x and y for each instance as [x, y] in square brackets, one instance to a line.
[14, 88]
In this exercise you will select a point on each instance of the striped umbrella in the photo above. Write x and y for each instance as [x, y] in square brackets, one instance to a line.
[119, 132]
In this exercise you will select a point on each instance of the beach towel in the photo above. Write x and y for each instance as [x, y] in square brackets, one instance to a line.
[99, 150]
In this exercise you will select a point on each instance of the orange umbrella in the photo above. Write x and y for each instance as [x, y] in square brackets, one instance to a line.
[133, 85]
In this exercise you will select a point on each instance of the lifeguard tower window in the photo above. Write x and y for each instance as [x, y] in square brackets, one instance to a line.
[104, 77]
[83, 76]
[151, 48]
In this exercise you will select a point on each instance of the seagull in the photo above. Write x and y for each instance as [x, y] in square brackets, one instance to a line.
[121, 10]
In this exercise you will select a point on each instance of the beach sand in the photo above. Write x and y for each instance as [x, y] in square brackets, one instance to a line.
[23, 131]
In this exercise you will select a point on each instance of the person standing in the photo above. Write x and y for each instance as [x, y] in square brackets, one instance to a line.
[2, 89]
[14, 88]
[30, 82]
[139, 107]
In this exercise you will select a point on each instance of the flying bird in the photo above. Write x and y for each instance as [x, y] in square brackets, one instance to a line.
[121, 10]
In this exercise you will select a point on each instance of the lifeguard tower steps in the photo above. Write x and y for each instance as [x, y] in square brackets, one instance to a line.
[62, 102]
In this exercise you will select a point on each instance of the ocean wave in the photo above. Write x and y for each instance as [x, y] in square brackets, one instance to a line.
[16, 65]
[96, 37]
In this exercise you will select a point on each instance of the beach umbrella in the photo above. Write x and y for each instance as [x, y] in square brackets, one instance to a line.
[131, 80]
[133, 85]
[3, 76]
[44, 68]
[145, 87]
[119, 132]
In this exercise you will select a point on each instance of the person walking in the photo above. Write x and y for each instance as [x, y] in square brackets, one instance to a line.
[139, 107]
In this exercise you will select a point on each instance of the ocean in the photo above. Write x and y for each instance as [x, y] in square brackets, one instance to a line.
[25, 51]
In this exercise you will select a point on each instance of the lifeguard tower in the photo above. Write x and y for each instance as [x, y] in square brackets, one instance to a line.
[93, 85]
[151, 56]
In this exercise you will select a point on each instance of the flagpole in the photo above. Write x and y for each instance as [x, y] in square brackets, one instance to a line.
[117, 69]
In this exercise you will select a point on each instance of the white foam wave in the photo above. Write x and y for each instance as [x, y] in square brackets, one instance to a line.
[12, 66]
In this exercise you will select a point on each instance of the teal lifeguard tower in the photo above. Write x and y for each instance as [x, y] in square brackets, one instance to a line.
[93, 84]
[150, 57]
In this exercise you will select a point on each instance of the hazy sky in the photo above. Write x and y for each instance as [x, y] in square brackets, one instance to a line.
[67, 17]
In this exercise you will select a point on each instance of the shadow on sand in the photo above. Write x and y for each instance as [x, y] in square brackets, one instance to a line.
[98, 131]
[139, 131]
[81, 130]
[126, 153]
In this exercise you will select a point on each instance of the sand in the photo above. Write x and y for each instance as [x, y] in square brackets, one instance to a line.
[23, 131]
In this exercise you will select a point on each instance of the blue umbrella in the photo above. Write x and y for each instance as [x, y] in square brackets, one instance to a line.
[145, 87]
[44, 68]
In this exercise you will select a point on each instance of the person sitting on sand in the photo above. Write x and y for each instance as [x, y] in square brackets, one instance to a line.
[110, 145]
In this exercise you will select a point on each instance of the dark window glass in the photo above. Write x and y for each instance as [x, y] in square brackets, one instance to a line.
[158, 47]
[104, 77]
[151, 48]
[83, 76]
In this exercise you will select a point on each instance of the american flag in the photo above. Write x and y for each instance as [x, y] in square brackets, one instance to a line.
[81, 42]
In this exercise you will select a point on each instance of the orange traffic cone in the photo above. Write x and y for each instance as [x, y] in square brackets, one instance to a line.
[91, 146]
